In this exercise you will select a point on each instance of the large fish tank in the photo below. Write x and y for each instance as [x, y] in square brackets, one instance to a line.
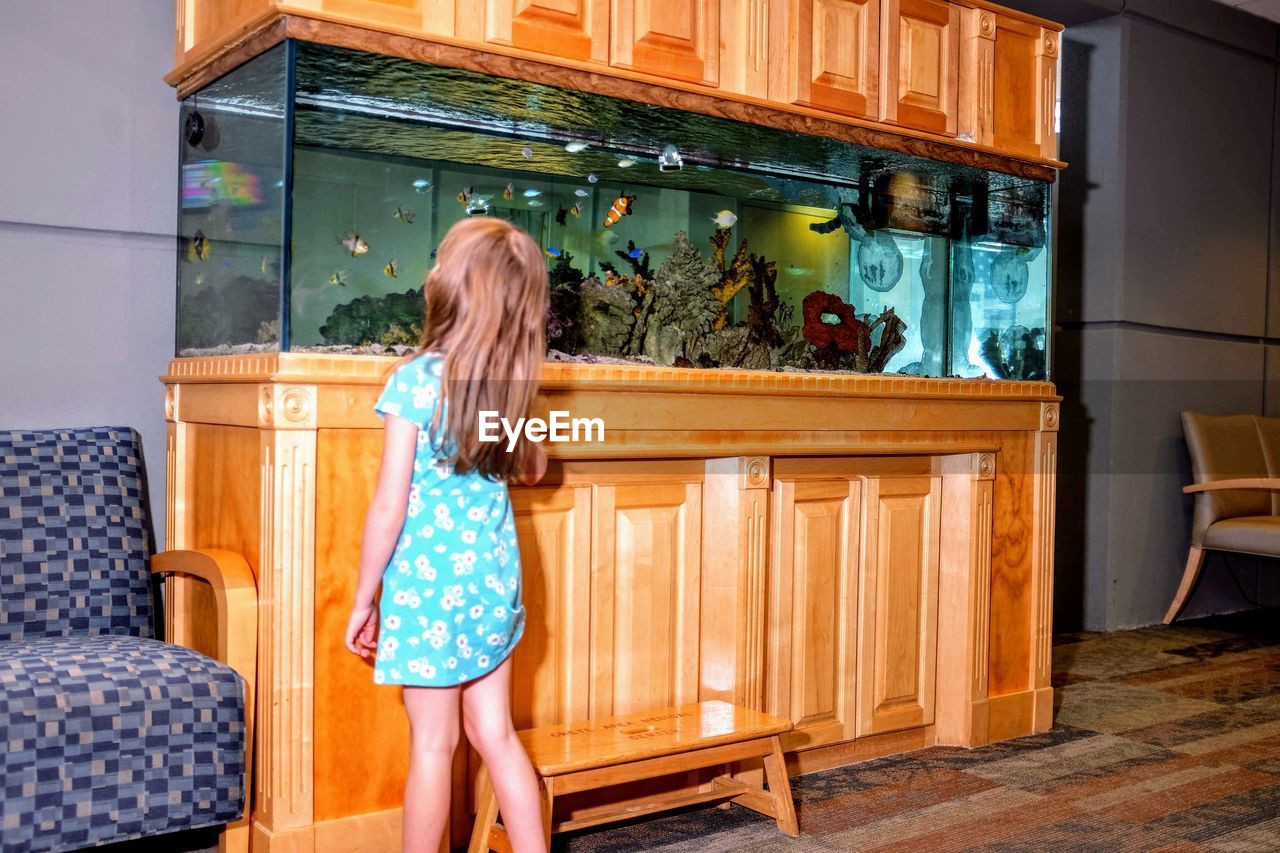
[317, 183]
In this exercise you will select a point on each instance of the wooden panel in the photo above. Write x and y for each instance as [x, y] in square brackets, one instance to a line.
[645, 595]
[551, 666]
[572, 29]
[428, 17]
[919, 77]
[897, 614]
[679, 39]
[349, 707]
[1022, 105]
[1012, 573]
[835, 46]
[202, 24]
[813, 589]
[745, 36]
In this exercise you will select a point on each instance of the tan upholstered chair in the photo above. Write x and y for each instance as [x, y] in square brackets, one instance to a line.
[1235, 460]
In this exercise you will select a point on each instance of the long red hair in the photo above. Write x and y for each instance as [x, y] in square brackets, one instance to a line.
[486, 304]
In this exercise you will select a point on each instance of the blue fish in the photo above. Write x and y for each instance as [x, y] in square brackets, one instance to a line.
[634, 254]
[553, 252]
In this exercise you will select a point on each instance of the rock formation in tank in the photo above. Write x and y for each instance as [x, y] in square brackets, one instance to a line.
[367, 319]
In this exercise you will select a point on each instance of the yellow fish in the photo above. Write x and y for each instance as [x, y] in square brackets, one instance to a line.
[355, 244]
[339, 278]
[199, 248]
[404, 215]
[508, 192]
[464, 197]
[576, 210]
[392, 269]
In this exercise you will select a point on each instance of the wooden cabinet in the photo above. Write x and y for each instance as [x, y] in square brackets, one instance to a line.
[834, 48]
[920, 69]
[571, 29]
[813, 589]
[1024, 90]
[676, 39]
[898, 603]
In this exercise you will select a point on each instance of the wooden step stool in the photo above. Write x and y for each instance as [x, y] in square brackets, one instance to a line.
[614, 750]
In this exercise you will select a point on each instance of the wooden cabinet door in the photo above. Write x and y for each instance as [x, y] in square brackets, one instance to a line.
[551, 675]
[572, 29]
[898, 603]
[813, 589]
[645, 593]
[920, 73]
[834, 48]
[1024, 88]
[677, 39]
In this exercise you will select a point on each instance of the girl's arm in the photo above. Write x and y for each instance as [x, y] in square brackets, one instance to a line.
[535, 464]
[382, 526]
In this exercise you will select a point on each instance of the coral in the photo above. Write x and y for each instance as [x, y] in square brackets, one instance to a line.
[847, 343]
[269, 332]
[733, 277]
[767, 314]
[606, 317]
[639, 262]
[367, 319]
[563, 305]
[679, 309]
[204, 318]
[892, 340]
[398, 336]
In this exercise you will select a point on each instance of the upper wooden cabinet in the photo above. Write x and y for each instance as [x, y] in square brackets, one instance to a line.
[920, 70]
[572, 29]
[1025, 94]
[677, 39]
[833, 50]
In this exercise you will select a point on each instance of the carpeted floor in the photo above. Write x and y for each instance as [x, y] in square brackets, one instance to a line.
[1164, 739]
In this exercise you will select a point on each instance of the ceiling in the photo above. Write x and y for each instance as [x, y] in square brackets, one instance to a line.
[1263, 8]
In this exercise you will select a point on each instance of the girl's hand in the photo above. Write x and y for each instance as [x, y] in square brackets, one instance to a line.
[362, 630]
[535, 464]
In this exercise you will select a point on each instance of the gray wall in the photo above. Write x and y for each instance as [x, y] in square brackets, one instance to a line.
[1166, 219]
[88, 196]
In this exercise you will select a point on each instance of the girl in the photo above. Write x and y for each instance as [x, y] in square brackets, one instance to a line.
[439, 535]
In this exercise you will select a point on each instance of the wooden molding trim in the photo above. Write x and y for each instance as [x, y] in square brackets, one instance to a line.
[500, 61]
[1045, 483]
[325, 369]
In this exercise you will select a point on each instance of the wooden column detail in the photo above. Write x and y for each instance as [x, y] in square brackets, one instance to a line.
[753, 513]
[964, 612]
[1047, 95]
[1046, 486]
[175, 526]
[284, 793]
[977, 75]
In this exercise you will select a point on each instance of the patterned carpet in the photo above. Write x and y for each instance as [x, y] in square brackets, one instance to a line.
[1165, 739]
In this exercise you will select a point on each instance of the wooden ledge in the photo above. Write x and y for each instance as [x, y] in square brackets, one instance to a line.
[327, 369]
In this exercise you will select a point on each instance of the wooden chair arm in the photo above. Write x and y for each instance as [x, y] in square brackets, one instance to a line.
[1242, 483]
[236, 598]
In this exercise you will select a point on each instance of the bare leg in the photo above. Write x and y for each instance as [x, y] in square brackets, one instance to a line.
[486, 716]
[433, 721]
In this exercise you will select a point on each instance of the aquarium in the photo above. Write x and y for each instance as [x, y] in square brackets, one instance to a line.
[317, 183]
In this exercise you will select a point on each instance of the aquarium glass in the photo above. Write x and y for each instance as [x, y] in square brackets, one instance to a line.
[232, 210]
[670, 237]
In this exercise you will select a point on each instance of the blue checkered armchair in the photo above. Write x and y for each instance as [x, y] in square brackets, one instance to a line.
[108, 733]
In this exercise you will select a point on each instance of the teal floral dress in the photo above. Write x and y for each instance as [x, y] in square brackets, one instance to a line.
[451, 599]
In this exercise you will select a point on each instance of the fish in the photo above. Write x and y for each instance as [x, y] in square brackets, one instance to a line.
[560, 215]
[608, 237]
[592, 178]
[404, 215]
[269, 265]
[622, 206]
[532, 193]
[355, 244]
[433, 254]
[465, 196]
[392, 269]
[508, 192]
[725, 219]
[798, 270]
[635, 254]
[526, 152]
[581, 193]
[626, 163]
[421, 185]
[536, 202]
[199, 279]
[575, 147]
[576, 211]
[199, 248]
[553, 252]
[339, 278]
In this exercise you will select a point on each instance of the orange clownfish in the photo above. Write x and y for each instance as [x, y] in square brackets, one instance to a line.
[621, 207]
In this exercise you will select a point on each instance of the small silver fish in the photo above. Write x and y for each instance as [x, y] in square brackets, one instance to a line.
[591, 179]
[532, 193]
[536, 202]
[626, 163]
[581, 193]
[526, 152]
[576, 147]
[404, 215]
[725, 219]
[421, 185]
[355, 244]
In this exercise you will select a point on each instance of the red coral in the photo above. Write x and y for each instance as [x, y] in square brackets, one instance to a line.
[850, 335]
